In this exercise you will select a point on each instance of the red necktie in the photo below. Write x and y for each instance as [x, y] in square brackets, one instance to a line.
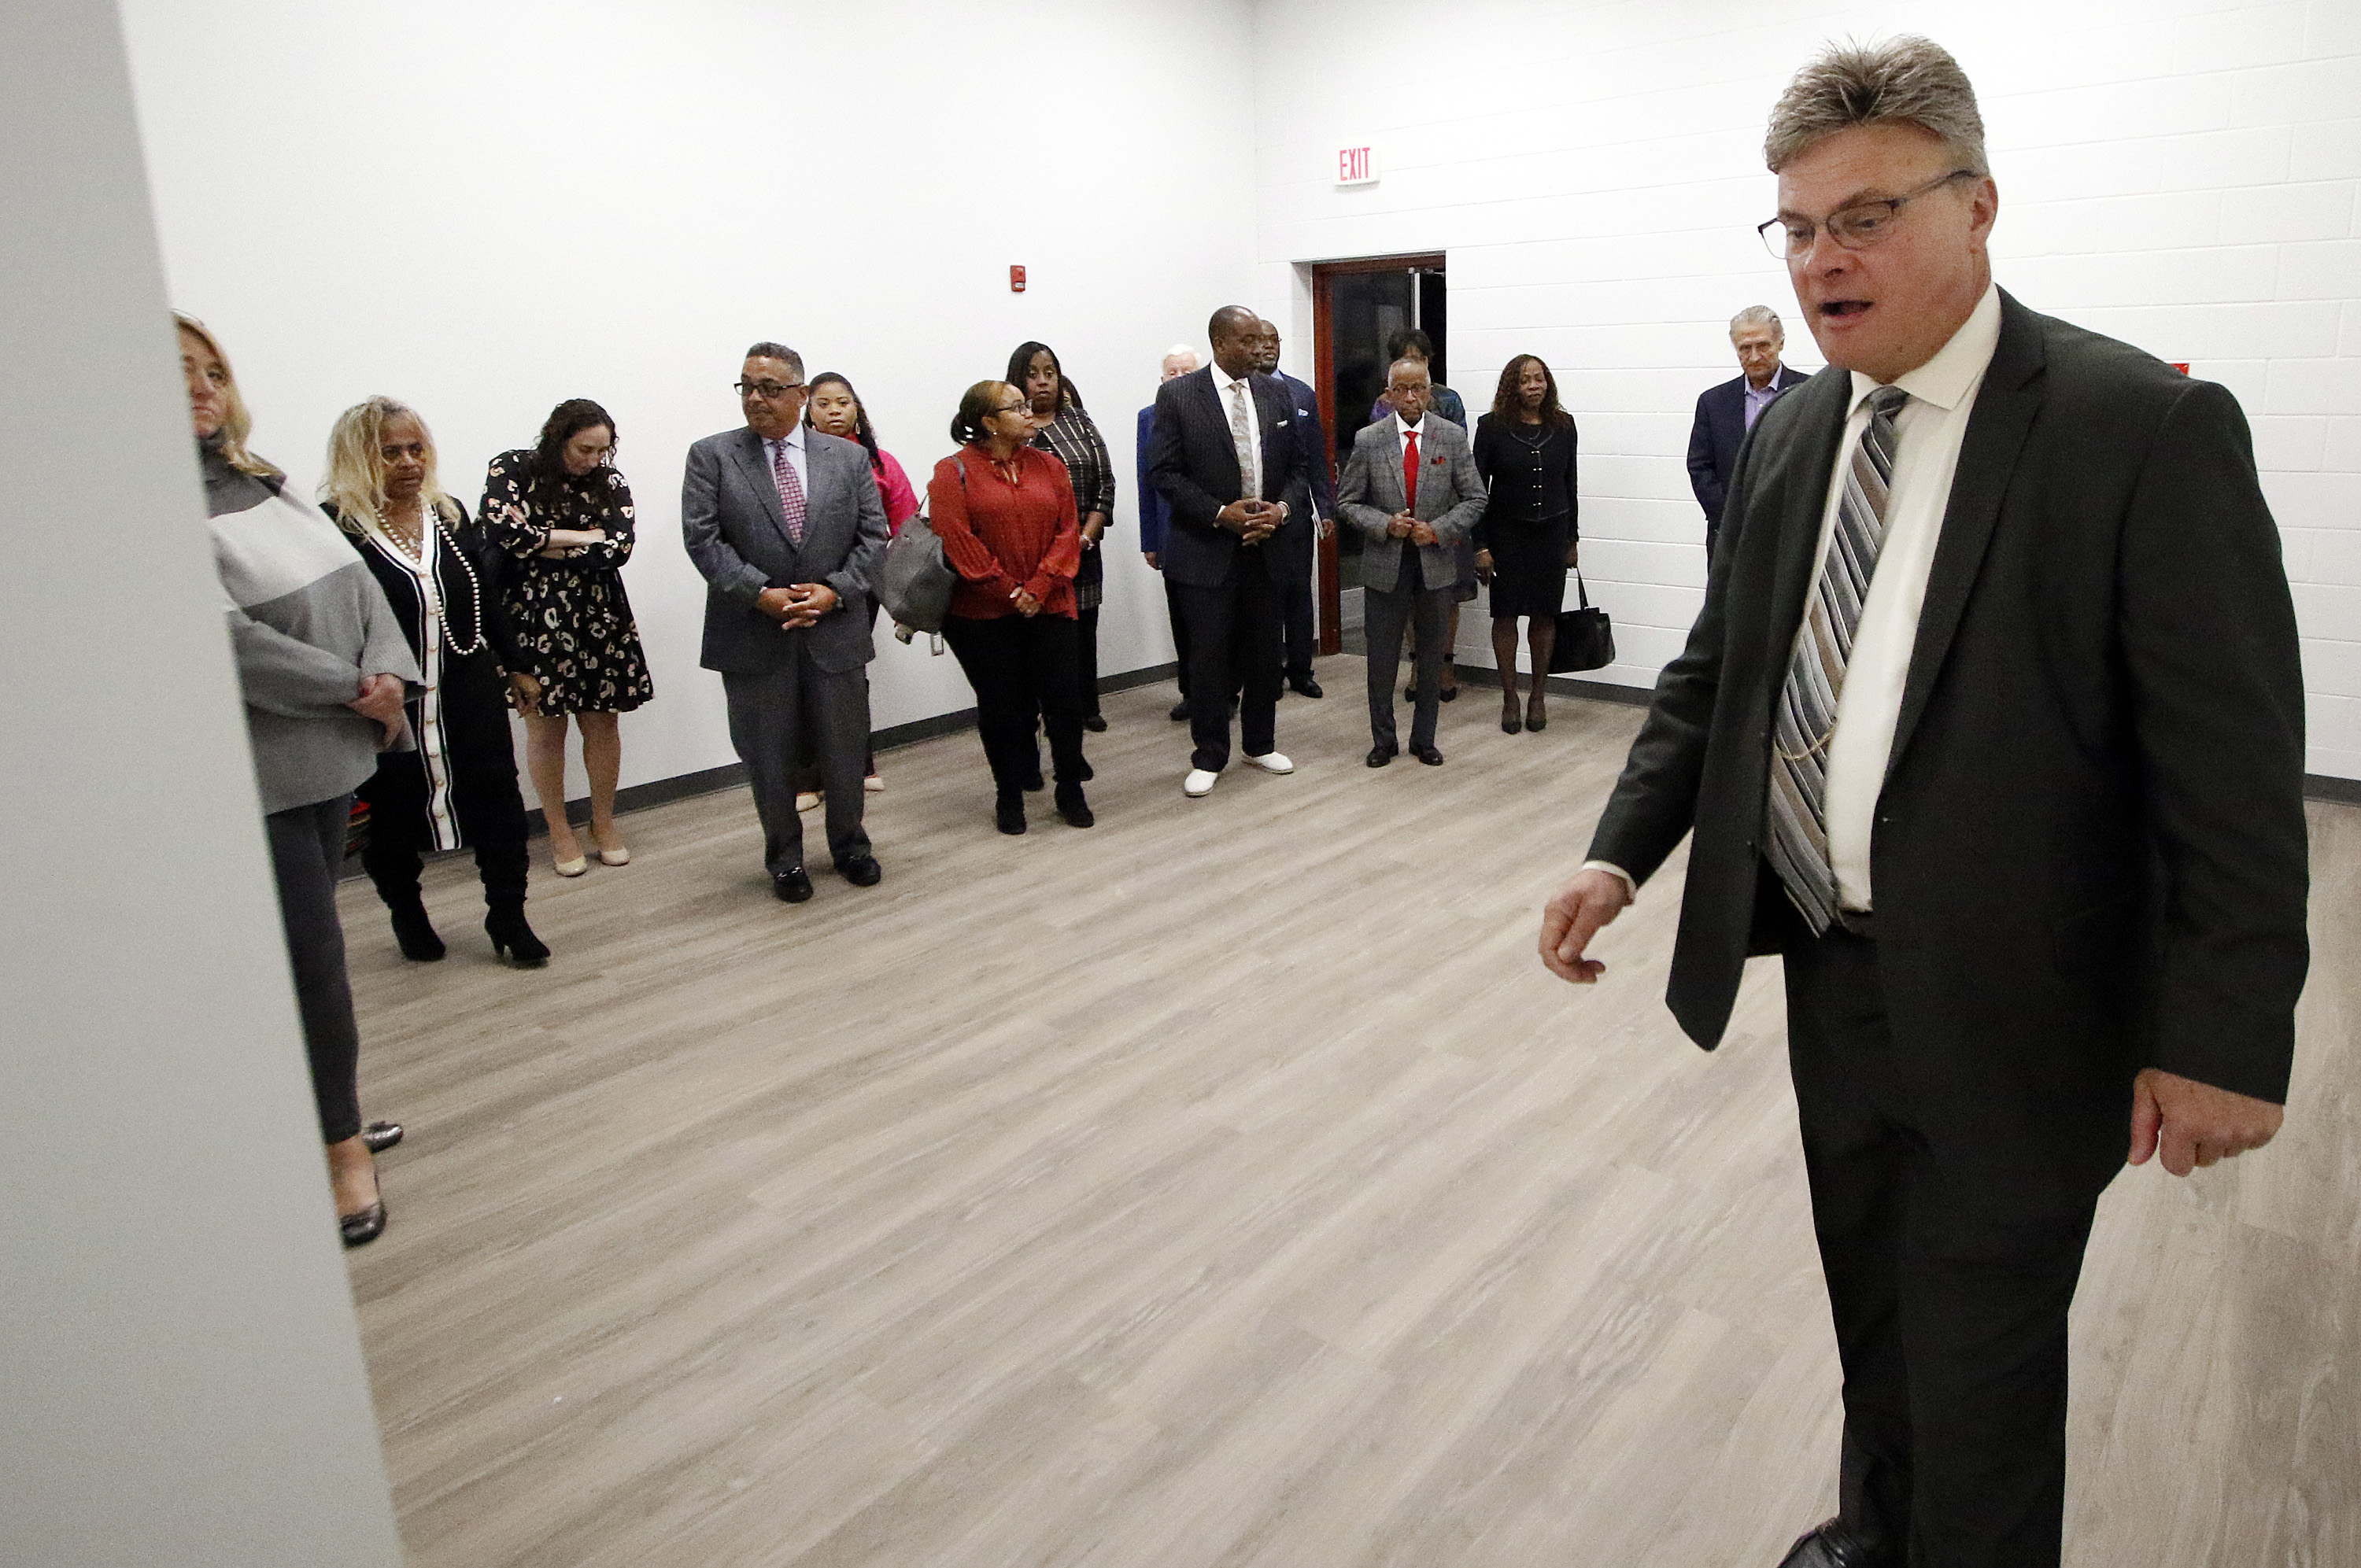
[1410, 470]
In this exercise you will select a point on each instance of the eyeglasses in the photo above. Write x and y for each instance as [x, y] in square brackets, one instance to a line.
[1014, 408]
[765, 388]
[1857, 227]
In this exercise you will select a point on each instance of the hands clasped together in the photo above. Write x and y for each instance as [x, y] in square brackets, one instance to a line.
[1252, 520]
[797, 604]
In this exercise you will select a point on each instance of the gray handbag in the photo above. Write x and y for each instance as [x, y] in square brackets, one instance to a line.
[915, 581]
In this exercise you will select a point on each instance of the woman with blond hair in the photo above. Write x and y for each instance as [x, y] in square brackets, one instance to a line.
[324, 672]
[458, 788]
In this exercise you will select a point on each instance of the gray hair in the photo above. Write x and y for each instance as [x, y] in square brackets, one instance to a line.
[1418, 364]
[1757, 315]
[1178, 351]
[1907, 81]
[780, 352]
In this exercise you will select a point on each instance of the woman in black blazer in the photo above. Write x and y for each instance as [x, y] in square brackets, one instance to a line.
[439, 573]
[1527, 537]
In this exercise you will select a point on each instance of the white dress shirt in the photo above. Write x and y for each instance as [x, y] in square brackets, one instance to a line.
[1926, 435]
[1250, 484]
[793, 443]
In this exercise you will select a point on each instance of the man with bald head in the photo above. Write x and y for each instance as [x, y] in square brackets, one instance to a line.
[1223, 455]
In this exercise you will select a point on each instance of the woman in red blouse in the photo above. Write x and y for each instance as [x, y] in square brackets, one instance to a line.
[1004, 511]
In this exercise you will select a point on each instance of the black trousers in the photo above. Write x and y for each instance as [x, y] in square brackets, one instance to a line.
[1948, 1284]
[1020, 665]
[769, 712]
[1407, 603]
[1295, 623]
[1234, 637]
[485, 802]
[1086, 658]
[1179, 633]
[307, 851]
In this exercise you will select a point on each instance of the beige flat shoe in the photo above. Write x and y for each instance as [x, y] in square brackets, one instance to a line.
[806, 800]
[616, 856]
[574, 866]
[873, 784]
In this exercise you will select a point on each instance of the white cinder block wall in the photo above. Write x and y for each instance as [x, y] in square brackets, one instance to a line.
[485, 209]
[2179, 173]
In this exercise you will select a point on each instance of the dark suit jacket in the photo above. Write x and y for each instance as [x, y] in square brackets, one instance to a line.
[1154, 510]
[1715, 438]
[1193, 462]
[2090, 852]
[732, 521]
[1314, 495]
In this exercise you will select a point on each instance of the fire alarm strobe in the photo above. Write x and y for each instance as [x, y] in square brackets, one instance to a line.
[1017, 280]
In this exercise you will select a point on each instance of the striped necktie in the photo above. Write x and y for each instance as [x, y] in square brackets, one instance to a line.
[1797, 807]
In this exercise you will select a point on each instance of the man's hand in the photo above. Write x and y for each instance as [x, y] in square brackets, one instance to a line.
[1155, 559]
[1327, 528]
[1398, 525]
[1423, 533]
[2192, 1123]
[1240, 516]
[776, 603]
[380, 701]
[1571, 919]
[807, 602]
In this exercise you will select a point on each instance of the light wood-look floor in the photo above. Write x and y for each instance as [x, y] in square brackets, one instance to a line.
[1225, 1185]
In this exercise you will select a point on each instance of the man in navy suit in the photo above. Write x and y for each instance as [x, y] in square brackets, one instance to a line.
[1725, 414]
[1178, 360]
[1316, 497]
[1223, 451]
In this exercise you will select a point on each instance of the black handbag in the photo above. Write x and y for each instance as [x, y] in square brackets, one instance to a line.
[1586, 638]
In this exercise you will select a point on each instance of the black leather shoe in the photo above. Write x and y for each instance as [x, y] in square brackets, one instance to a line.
[1095, 723]
[417, 934]
[359, 1229]
[1380, 755]
[1035, 781]
[793, 885]
[513, 941]
[1427, 754]
[861, 872]
[379, 1136]
[1073, 808]
[1831, 1545]
[1307, 686]
[1180, 713]
[1510, 721]
[1008, 813]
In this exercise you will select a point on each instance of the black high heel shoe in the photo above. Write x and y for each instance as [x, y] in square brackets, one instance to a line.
[379, 1136]
[415, 932]
[513, 941]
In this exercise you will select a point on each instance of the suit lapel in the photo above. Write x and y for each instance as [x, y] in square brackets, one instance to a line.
[749, 452]
[1209, 399]
[2006, 405]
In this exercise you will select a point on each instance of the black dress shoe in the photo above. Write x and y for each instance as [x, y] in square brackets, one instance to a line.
[1380, 755]
[792, 885]
[379, 1136]
[513, 941]
[1072, 807]
[1831, 1545]
[1180, 713]
[417, 934]
[1008, 813]
[862, 871]
[1307, 686]
[1510, 722]
[1427, 754]
[360, 1229]
[1095, 723]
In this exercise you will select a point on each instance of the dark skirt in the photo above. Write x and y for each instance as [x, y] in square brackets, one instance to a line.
[1529, 564]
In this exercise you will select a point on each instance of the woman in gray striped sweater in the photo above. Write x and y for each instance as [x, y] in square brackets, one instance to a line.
[325, 670]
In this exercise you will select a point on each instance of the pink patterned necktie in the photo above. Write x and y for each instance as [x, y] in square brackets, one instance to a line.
[791, 492]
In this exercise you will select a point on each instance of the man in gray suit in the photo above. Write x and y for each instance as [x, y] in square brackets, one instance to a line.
[1413, 488]
[786, 525]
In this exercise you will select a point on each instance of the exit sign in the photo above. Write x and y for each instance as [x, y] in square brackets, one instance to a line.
[1356, 165]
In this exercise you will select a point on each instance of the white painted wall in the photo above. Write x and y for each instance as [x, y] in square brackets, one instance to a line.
[484, 209]
[2179, 173]
[181, 1380]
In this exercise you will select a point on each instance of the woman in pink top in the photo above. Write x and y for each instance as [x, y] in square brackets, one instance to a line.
[833, 408]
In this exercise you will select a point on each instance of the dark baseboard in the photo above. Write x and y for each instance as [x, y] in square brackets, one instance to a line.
[2320, 787]
[1566, 686]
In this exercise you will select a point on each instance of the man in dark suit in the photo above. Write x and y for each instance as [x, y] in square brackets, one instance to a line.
[1223, 452]
[1992, 727]
[1727, 412]
[1178, 360]
[786, 525]
[1314, 497]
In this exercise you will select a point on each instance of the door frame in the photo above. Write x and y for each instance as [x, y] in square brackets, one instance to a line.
[1323, 387]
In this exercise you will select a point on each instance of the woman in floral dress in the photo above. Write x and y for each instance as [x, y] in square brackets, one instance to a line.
[563, 516]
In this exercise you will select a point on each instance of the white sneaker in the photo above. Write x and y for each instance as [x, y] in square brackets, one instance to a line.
[1273, 762]
[1199, 784]
[873, 784]
[806, 800]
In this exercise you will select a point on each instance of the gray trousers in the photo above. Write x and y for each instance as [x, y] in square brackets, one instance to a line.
[1383, 615]
[307, 851]
[769, 713]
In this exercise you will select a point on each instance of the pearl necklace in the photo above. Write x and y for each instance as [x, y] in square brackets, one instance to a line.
[417, 560]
